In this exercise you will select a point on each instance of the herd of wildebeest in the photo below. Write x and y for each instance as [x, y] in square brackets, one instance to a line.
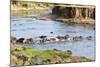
[49, 39]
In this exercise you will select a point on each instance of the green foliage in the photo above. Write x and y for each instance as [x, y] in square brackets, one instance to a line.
[13, 1]
[45, 4]
[25, 5]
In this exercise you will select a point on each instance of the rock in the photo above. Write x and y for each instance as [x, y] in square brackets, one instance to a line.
[13, 60]
[79, 59]
[80, 13]
[37, 60]
[56, 49]
[57, 11]
[69, 52]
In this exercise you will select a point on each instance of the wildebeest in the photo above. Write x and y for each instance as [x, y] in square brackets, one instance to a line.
[28, 41]
[13, 40]
[42, 37]
[20, 40]
[89, 37]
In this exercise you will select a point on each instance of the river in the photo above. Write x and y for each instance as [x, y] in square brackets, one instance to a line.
[33, 28]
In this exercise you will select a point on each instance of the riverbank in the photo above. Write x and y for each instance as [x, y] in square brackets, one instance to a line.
[66, 20]
[72, 14]
[42, 15]
[17, 11]
[28, 56]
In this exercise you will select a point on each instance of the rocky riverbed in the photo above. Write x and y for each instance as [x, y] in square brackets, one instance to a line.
[28, 56]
